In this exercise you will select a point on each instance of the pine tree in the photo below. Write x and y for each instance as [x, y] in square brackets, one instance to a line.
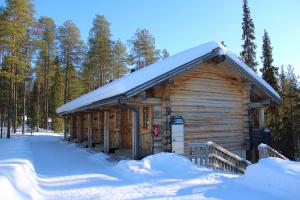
[34, 111]
[119, 59]
[16, 41]
[57, 97]
[98, 64]
[46, 29]
[71, 52]
[2, 78]
[248, 54]
[143, 51]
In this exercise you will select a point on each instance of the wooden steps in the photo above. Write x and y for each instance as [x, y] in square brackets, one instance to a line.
[212, 155]
[266, 151]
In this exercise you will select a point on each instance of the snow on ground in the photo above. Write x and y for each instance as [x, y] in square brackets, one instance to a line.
[44, 167]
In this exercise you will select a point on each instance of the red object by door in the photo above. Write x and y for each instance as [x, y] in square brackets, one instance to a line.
[155, 130]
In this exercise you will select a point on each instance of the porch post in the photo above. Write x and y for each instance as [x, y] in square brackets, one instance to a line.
[79, 128]
[261, 118]
[90, 129]
[65, 127]
[135, 138]
[71, 127]
[106, 131]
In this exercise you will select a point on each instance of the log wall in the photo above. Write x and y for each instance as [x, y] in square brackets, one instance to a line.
[212, 101]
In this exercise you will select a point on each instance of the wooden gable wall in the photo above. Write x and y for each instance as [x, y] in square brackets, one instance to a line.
[213, 102]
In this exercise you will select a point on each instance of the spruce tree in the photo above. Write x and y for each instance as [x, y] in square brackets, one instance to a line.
[143, 50]
[269, 71]
[288, 111]
[248, 54]
[270, 75]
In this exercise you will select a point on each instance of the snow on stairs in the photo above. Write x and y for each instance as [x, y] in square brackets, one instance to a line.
[157, 144]
[266, 151]
[214, 156]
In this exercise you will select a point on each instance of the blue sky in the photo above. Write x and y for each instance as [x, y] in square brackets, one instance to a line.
[181, 24]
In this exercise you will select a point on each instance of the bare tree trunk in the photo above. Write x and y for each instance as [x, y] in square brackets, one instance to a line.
[15, 105]
[45, 92]
[1, 104]
[65, 95]
[38, 108]
[1, 125]
[24, 109]
[10, 103]
[47, 88]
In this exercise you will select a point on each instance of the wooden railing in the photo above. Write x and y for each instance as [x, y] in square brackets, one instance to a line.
[266, 151]
[212, 155]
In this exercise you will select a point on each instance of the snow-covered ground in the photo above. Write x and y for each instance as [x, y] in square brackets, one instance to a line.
[44, 167]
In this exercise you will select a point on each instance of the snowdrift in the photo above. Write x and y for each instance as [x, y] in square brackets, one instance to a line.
[157, 165]
[18, 179]
[274, 175]
[28, 174]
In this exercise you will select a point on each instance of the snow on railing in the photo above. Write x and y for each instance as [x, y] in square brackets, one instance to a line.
[266, 151]
[212, 155]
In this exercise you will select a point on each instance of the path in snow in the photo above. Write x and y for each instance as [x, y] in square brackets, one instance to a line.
[45, 167]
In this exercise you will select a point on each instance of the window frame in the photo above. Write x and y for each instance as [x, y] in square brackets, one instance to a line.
[117, 117]
[144, 129]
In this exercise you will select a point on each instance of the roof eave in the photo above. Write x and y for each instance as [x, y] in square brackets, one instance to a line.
[172, 73]
[147, 85]
[257, 83]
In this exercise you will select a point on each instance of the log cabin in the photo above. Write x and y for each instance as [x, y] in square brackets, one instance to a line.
[202, 94]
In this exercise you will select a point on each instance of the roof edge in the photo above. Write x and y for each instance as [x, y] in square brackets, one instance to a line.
[275, 98]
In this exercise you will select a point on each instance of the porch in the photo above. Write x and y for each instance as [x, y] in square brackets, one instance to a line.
[114, 130]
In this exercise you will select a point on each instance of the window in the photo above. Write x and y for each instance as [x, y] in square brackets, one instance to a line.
[145, 118]
[118, 119]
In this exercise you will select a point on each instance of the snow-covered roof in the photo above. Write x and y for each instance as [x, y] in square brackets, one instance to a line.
[142, 76]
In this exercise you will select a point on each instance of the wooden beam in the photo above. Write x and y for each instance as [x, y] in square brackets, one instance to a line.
[79, 134]
[260, 104]
[148, 100]
[255, 105]
[71, 127]
[90, 129]
[135, 135]
[261, 118]
[106, 131]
